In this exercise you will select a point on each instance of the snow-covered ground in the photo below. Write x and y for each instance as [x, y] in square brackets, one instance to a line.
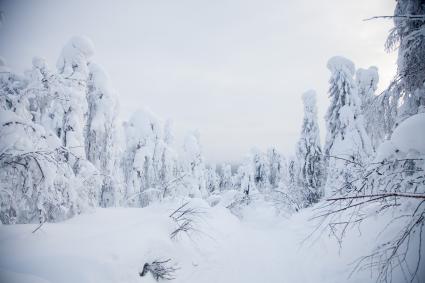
[111, 245]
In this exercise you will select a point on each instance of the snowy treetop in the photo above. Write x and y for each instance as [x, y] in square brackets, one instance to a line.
[339, 63]
[145, 120]
[39, 62]
[309, 99]
[99, 77]
[75, 56]
[83, 44]
[367, 78]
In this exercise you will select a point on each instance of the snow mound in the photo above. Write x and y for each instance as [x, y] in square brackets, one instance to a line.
[111, 245]
[407, 138]
[339, 63]
[410, 134]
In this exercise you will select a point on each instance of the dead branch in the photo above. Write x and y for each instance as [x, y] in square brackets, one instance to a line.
[405, 195]
[185, 218]
[407, 17]
[160, 269]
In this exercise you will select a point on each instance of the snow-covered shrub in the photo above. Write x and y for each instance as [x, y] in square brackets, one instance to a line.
[392, 185]
[186, 219]
[36, 182]
[160, 269]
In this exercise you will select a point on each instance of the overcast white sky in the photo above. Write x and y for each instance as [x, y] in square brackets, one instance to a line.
[235, 70]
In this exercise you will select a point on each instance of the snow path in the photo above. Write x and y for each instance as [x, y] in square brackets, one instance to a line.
[111, 245]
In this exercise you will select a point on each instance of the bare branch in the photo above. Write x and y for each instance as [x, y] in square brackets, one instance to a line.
[160, 269]
[407, 17]
[405, 195]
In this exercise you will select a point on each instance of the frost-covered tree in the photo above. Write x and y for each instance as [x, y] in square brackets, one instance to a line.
[11, 86]
[36, 182]
[73, 66]
[48, 94]
[309, 153]
[142, 160]
[102, 142]
[49, 115]
[261, 170]
[168, 132]
[246, 178]
[371, 106]
[367, 83]
[346, 141]
[226, 180]
[408, 35]
[193, 165]
[212, 179]
[277, 167]
[294, 191]
[392, 188]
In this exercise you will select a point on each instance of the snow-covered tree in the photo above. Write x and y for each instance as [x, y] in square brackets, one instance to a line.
[391, 187]
[277, 167]
[261, 170]
[346, 141]
[367, 83]
[168, 132]
[11, 86]
[309, 152]
[142, 160]
[371, 106]
[101, 135]
[49, 114]
[193, 165]
[292, 188]
[36, 182]
[73, 66]
[226, 180]
[212, 179]
[246, 178]
[408, 35]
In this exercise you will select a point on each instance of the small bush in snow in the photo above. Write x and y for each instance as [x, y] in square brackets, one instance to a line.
[160, 269]
[185, 217]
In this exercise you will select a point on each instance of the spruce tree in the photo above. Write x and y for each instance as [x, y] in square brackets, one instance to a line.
[347, 143]
[309, 152]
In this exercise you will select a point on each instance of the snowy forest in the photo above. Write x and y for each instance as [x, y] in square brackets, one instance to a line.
[88, 197]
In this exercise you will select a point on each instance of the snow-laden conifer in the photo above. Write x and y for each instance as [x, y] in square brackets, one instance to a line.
[309, 153]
